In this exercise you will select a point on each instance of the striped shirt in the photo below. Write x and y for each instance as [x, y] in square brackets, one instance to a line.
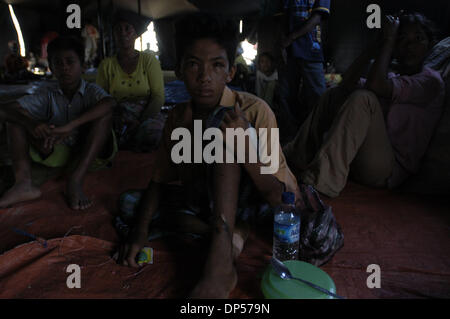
[308, 47]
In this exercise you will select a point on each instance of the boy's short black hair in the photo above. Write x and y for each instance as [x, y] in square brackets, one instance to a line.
[197, 26]
[64, 43]
[427, 25]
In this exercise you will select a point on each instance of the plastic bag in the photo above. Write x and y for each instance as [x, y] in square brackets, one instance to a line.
[320, 234]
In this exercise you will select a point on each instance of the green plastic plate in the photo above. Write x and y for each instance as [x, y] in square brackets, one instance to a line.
[273, 287]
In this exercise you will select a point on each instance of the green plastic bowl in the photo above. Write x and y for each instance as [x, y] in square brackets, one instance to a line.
[274, 287]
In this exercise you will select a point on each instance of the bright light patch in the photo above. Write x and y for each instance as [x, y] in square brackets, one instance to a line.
[241, 26]
[149, 37]
[250, 51]
[18, 30]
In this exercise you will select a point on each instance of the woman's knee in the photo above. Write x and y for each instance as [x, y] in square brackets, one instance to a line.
[104, 122]
[332, 92]
[332, 99]
[364, 96]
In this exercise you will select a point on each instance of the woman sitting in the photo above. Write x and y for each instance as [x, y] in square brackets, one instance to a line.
[378, 129]
[135, 79]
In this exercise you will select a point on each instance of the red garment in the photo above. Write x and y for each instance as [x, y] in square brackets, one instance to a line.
[46, 39]
[92, 31]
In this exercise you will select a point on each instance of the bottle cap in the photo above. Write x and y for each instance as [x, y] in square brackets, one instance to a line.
[288, 198]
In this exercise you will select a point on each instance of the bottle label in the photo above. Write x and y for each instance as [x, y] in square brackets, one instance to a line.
[287, 233]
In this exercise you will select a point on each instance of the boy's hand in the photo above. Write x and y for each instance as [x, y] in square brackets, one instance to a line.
[58, 134]
[127, 252]
[235, 118]
[40, 130]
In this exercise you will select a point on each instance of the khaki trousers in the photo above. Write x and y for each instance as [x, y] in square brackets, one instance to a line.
[345, 134]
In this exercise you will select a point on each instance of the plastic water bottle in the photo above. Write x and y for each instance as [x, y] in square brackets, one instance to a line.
[286, 229]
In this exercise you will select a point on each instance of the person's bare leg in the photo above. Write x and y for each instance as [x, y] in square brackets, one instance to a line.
[219, 276]
[99, 132]
[240, 235]
[23, 189]
[309, 138]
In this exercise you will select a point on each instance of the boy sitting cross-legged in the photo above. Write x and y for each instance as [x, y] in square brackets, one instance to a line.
[215, 192]
[51, 128]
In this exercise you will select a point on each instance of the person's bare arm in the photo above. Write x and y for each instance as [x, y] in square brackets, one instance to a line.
[377, 81]
[14, 113]
[267, 184]
[352, 75]
[156, 81]
[102, 108]
[308, 26]
[139, 233]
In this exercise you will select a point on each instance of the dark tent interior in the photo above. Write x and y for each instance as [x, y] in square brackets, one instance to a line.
[345, 30]
[405, 230]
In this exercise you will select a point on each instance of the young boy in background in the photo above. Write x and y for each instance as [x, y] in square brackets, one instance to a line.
[49, 128]
[266, 78]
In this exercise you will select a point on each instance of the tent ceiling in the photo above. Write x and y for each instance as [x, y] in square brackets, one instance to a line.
[158, 9]
[230, 7]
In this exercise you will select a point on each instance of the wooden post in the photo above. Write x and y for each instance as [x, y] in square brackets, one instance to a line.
[100, 29]
[139, 12]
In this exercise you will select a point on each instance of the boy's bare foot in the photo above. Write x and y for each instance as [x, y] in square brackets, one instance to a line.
[238, 244]
[217, 286]
[20, 192]
[240, 235]
[76, 197]
[219, 276]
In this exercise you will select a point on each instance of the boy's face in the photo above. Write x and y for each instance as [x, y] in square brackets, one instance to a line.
[66, 67]
[205, 71]
[412, 45]
[265, 65]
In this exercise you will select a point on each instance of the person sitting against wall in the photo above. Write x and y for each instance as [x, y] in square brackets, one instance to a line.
[135, 79]
[375, 130]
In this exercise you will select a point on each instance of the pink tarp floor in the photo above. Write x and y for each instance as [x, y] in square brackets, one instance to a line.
[406, 235]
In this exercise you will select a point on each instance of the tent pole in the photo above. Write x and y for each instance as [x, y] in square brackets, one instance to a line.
[100, 27]
[139, 12]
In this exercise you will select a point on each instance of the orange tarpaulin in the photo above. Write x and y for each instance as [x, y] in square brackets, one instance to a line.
[406, 235]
